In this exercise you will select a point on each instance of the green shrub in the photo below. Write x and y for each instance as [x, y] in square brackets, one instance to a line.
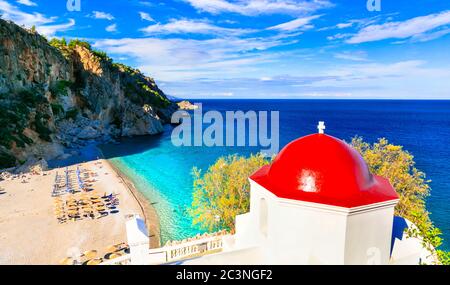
[77, 42]
[58, 43]
[102, 55]
[60, 88]
[57, 109]
[72, 114]
[32, 98]
[6, 160]
[41, 129]
[6, 138]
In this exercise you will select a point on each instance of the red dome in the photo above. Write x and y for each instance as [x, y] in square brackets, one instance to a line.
[322, 169]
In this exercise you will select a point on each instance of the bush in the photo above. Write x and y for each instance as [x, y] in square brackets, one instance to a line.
[72, 114]
[223, 191]
[77, 42]
[6, 138]
[60, 88]
[32, 98]
[398, 166]
[58, 43]
[102, 55]
[444, 257]
[6, 160]
[57, 109]
[41, 129]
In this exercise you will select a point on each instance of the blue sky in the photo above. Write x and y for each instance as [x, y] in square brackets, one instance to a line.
[264, 48]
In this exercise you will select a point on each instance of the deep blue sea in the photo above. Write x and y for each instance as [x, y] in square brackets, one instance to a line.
[162, 172]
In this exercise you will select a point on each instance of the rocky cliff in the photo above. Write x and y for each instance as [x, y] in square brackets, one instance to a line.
[57, 95]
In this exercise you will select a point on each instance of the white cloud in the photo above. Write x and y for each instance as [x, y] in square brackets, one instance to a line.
[300, 23]
[410, 79]
[338, 36]
[378, 70]
[190, 26]
[175, 59]
[44, 25]
[26, 2]
[111, 28]
[51, 30]
[146, 17]
[344, 25]
[14, 14]
[429, 36]
[353, 56]
[257, 7]
[414, 27]
[102, 15]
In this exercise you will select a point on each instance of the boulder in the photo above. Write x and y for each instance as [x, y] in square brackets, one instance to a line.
[33, 165]
[89, 133]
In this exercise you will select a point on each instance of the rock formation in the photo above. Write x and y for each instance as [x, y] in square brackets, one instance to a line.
[55, 95]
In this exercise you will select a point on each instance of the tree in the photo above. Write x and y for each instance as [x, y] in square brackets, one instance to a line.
[222, 192]
[33, 29]
[398, 166]
[77, 42]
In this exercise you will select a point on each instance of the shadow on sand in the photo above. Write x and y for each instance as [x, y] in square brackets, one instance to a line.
[123, 147]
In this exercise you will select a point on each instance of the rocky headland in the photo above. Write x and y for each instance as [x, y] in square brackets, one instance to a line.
[56, 97]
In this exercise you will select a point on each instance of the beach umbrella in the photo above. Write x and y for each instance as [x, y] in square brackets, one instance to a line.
[90, 254]
[114, 255]
[120, 246]
[95, 261]
[72, 213]
[111, 248]
[67, 261]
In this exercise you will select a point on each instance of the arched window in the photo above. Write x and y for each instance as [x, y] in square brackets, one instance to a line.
[263, 216]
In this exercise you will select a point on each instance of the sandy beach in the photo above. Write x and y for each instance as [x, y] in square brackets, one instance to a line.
[31, 234]
[149, 212]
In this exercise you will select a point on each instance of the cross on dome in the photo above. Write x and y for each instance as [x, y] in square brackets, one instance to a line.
[321, 127]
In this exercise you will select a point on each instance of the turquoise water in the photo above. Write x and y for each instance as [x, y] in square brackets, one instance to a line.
[162, 172]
